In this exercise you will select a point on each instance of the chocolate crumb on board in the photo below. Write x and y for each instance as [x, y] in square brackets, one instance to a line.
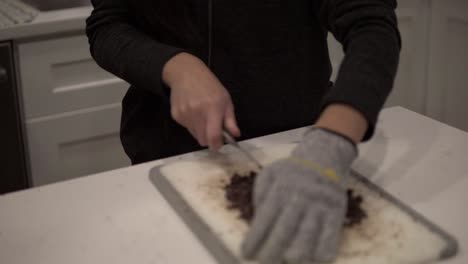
[239, 192]
[354, 213]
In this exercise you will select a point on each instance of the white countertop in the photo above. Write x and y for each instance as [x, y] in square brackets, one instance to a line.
[49, 23]
[119, 217]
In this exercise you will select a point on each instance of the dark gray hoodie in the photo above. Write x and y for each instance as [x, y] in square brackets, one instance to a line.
[271, 55]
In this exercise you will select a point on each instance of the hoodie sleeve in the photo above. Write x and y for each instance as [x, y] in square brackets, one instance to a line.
[120, 48]
[368, 32]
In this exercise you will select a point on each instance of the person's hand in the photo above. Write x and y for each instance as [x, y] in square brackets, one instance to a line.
[300, 202]
[199, 101]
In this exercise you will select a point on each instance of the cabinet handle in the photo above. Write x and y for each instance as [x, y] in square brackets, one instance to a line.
[3, 75]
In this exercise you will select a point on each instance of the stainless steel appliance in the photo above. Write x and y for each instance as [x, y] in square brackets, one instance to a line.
[13, 165]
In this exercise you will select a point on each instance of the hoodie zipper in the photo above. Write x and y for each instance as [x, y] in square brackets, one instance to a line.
[210, 31]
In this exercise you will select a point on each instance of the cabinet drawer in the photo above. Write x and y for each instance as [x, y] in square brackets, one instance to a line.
[74, 145]
[58, 75]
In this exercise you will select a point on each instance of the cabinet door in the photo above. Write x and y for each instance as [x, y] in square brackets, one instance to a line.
[409, 88]
[58, 75]
[75, 144]
[448, 76]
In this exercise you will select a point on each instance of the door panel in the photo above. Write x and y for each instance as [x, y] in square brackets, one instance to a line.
[448, 78]
[75, 144]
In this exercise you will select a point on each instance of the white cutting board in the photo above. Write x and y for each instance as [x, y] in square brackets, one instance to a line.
[388, 235]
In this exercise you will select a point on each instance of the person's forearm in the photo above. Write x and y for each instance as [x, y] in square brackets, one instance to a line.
[344, 120]
[368, 31]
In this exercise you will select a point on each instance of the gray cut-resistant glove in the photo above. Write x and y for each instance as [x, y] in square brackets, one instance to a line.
[300, 202]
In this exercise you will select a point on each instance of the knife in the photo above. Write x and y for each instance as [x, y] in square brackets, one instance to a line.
[231, 141]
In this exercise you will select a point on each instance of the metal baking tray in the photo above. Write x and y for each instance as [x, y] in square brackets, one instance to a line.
[223, 255]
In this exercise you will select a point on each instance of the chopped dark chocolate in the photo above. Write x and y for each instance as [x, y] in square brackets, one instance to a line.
[354, 213]
[239, 193]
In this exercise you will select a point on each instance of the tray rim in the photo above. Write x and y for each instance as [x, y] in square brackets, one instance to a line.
[192, 220]
[222, 254]
[451, 248]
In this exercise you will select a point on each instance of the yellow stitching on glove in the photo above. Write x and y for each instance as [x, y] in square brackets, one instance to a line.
[327, 172]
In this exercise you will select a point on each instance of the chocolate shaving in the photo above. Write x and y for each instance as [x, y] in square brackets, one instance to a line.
[239, 193]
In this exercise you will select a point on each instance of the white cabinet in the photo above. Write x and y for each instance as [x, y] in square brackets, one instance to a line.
[448, 66]
[58, 75]
[73, 145]
[72, 110]
[432, 78]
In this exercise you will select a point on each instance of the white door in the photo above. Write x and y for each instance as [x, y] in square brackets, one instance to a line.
[409, 89]
[447, 98]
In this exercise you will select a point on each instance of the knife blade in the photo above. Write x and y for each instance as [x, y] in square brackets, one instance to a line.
[231, 141]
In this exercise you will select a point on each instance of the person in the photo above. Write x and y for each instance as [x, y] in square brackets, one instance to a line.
[253, 68]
